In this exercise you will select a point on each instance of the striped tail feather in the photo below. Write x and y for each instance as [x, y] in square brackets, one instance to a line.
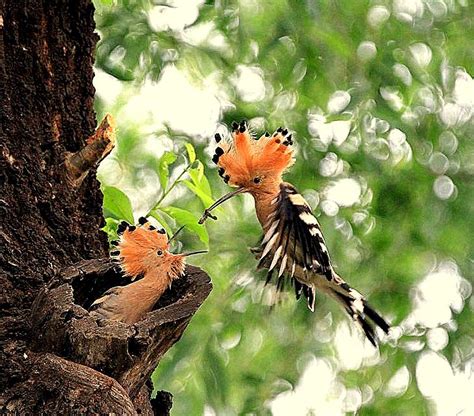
[359, 310]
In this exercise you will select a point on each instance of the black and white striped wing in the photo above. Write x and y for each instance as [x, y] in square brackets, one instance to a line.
[293, 245]
[294, 248]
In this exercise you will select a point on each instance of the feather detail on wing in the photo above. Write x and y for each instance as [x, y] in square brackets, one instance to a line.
[294, 247]
[293, 241]
[358, 308]
[105, 306]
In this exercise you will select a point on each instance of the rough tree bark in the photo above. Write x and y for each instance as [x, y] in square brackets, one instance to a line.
[54, 358]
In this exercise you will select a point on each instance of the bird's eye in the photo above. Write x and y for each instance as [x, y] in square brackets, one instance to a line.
[256, 180]
[159, 252]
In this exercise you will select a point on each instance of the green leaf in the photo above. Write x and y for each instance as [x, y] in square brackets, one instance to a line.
[155, 214]
[196, 173]
[166, 160]
[188, 219]
[110, 228]
[205, 199]
[204, 185]
[106, 2]
[191, 152]
[200, 185]
[116, 204]
[117, 71]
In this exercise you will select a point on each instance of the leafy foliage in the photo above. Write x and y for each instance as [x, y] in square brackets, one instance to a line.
[117, 205]
[379, 97]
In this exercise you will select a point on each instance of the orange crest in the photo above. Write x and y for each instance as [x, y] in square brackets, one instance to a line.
[140, 247]
[245, 158]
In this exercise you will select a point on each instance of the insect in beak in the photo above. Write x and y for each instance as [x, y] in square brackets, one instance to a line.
[207, 212]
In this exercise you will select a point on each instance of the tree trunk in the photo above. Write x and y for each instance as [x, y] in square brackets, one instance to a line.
[55, 359]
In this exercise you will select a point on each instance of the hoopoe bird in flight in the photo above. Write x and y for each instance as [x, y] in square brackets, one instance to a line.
[293, 245]
[143, 252]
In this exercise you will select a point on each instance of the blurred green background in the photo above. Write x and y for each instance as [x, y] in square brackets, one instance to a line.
[380, 98]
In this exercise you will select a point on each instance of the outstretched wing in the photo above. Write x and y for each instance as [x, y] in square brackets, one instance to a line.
[293, 243]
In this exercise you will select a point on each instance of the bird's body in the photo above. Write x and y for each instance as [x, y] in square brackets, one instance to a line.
[142, 252]
[131, 302]
[293, 246]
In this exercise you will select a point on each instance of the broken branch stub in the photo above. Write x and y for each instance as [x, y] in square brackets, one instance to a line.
[99, 145]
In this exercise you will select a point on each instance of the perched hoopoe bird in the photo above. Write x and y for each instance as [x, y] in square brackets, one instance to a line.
[143, 251]
[293, 245]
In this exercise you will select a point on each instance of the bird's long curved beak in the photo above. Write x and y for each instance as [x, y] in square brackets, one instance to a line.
[207, 212]
[192, 253]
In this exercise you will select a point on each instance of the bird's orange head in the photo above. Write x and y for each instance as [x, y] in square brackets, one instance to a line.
[144, 250]
[253, 165]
